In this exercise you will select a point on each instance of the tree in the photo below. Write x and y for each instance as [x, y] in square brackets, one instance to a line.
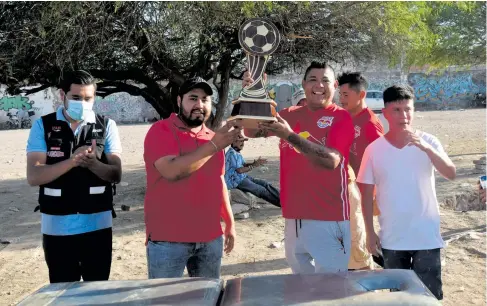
[149, 48]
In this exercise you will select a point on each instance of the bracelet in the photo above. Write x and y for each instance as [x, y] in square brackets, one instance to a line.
[216, 148]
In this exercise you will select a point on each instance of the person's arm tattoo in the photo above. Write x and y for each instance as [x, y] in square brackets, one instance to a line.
[319, 154]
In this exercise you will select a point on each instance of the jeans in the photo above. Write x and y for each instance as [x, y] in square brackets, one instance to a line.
[168, 259]
[70, 258]
[261, 189]
[426, 264]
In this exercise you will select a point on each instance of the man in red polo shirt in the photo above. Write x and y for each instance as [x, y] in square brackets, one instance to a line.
[186, 193]
[353, 90]
[314, 148]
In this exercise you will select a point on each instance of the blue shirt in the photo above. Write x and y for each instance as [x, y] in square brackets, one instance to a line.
[79, 223]
[233, 161]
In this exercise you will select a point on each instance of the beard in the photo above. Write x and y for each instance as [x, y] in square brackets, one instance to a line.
[193, 122]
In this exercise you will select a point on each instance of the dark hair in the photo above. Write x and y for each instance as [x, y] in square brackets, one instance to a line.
[355, 80]
[79, 77]
[398, 93]
[317, 65]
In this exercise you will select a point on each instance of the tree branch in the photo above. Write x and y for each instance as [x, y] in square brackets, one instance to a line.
[103, 91]
[34, 90]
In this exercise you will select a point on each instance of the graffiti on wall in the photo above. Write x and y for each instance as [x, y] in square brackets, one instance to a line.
[15, 102]
[16, 112]
[447, 88]
[21, 111]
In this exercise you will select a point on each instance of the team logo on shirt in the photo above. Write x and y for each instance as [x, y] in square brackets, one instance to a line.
[324, 122]
[357, 131]
[56, 128]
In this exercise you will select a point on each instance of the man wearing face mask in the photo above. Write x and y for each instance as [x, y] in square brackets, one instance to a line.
[186, 192]
[73, 155]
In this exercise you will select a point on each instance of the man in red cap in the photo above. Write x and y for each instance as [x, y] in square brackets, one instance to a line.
[186, 192]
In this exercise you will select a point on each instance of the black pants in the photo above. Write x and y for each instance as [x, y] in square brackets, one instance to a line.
[86, 255]
[426, 264]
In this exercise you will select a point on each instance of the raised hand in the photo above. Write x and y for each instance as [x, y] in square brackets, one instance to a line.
[247, 79]
[414, 139]
[280, 128]
[227, 134]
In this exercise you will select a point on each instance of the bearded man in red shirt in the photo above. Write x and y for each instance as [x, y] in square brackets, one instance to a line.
[186, 193]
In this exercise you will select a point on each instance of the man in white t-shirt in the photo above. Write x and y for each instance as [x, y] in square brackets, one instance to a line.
[401, 165]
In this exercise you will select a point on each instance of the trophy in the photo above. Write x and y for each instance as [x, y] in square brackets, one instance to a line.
[259, 38]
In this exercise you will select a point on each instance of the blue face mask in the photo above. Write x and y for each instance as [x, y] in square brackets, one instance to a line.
[79, 110]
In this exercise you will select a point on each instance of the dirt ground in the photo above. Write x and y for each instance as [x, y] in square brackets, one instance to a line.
[22, 266]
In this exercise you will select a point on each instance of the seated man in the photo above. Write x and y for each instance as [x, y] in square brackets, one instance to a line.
[236, 174]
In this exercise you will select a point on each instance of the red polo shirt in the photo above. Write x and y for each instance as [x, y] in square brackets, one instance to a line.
[307, 190]
[367, 129]
[187, 210]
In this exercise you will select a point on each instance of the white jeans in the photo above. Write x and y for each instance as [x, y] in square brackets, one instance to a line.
[314, 246]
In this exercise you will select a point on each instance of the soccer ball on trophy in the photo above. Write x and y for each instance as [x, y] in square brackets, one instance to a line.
[259, 38]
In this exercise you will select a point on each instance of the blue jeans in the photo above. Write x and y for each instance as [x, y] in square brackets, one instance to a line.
[261, 189]
[168, 259]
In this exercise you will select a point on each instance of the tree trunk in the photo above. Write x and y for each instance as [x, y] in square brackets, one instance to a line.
[223, 90]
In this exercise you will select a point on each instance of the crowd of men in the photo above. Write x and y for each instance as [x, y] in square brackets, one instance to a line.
[338, 169]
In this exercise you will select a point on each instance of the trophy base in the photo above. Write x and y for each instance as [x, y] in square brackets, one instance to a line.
[254, 109]
[252, 122]
[240, 100]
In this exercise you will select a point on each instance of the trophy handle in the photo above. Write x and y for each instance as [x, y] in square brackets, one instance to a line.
[256, 90]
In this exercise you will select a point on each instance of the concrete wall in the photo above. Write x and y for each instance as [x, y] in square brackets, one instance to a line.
[37, 104]
[120, 107]
[450, 89]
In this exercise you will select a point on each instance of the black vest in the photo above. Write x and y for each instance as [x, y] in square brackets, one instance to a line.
[78, 191]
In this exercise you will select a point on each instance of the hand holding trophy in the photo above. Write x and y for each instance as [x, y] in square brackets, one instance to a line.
[259, 38]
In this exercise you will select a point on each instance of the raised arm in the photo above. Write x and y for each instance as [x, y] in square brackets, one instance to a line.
[339, 140]
[436, 154]
[318, 154]
[176, 167]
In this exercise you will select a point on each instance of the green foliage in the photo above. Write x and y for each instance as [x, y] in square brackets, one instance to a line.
[436, 34]
[152, 43]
